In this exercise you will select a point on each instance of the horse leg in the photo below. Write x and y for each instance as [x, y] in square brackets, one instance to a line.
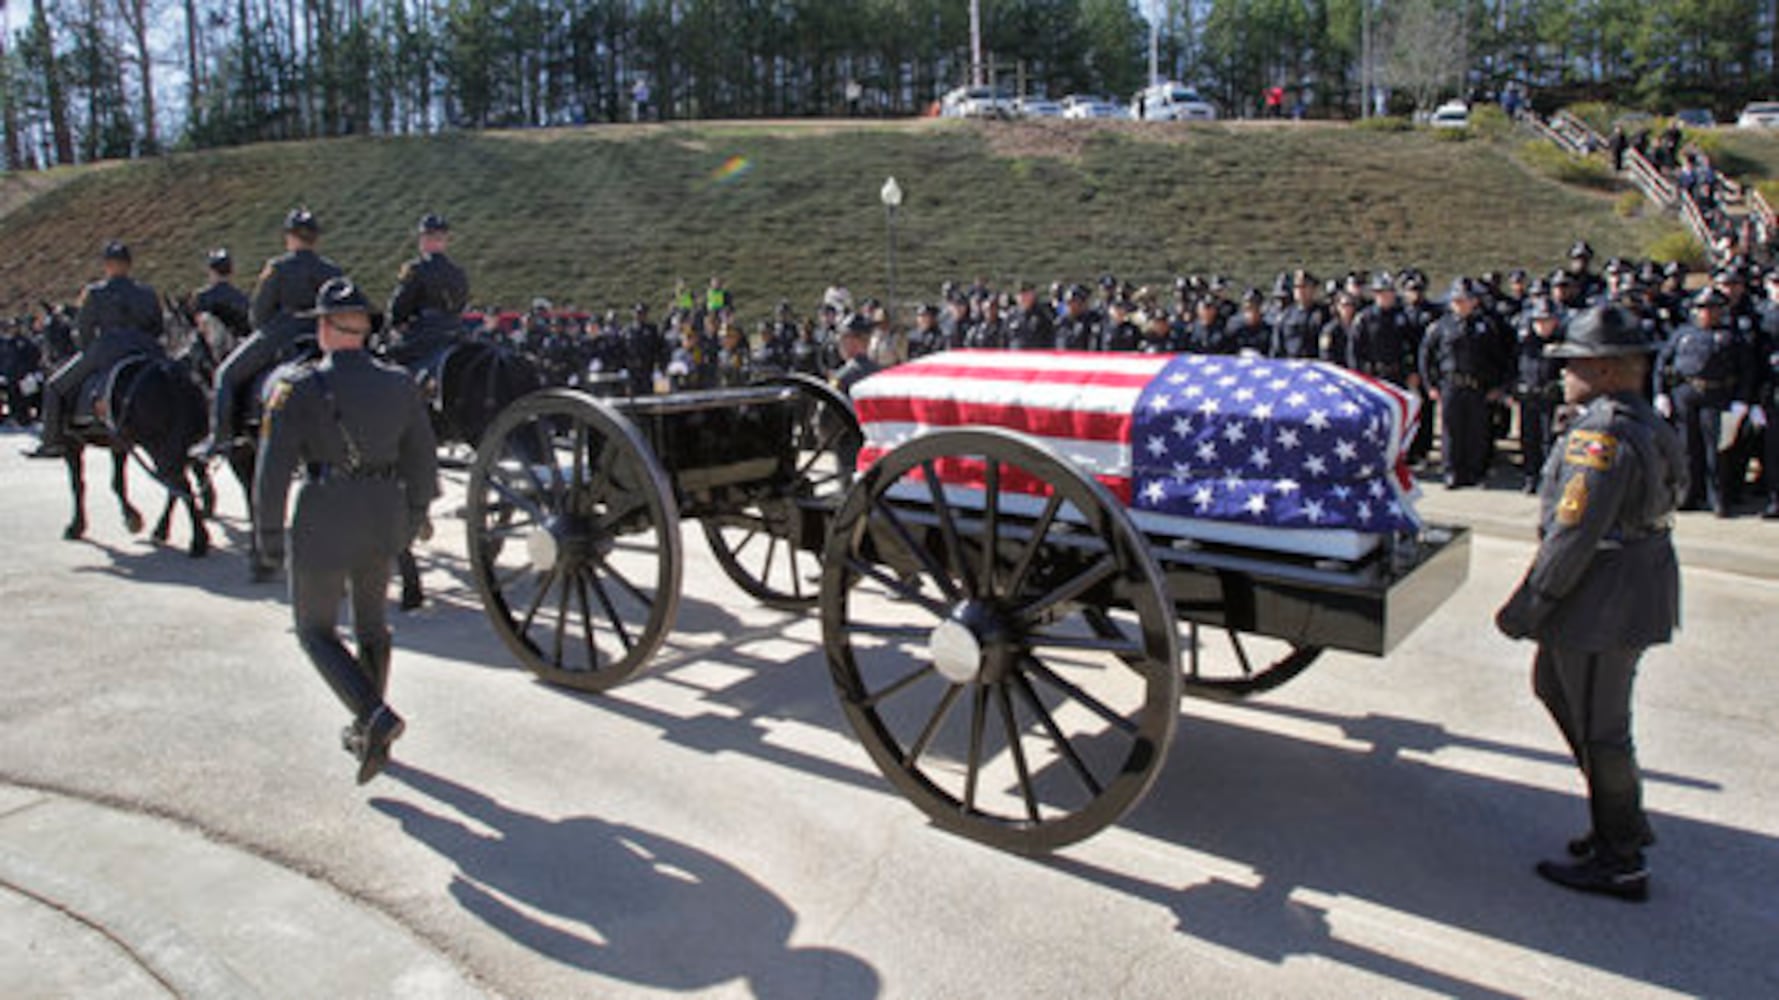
[200, 474]
[164, 525]
[120, 485]
[200, 534]
[412, 595]
[77, 485]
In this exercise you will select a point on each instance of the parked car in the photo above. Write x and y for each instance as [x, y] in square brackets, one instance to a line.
[977, 102]
[1451, 114]
[1761, 114]
[1171, 102]
[1037, 107]
[1696, 118]
[1088, 106]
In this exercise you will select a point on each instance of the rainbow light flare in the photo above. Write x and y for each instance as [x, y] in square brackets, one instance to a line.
[733, 169]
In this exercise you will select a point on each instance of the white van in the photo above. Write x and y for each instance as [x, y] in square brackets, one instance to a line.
[977, 102]
[1171, 102]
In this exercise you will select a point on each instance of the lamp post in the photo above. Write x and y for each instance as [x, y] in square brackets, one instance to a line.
[892, 200]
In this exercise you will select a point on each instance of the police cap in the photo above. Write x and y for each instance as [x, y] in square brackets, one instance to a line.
[1710, 298]
[219, 260]
[1461, 288]
[1252, 297]
[928, 309]
[115, 250]
[1674, 269]
[1414, 281]
[432, 222]
[1108, 282]
[860, 324]
[1078, 293]
[1602, 332]
[1300, 277]
[337, 296]
[1560, 279]
[301, 220]
[640, 309]
[1517, 276]
[1383, 281]
[1542, 308]
[1580, 248]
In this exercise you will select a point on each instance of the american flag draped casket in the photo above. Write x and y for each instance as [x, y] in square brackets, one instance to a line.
[1293, 456]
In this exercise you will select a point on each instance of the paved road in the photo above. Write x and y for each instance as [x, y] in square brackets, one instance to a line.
[714, 830]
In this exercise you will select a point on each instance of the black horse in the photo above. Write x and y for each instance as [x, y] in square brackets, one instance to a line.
[150, 407]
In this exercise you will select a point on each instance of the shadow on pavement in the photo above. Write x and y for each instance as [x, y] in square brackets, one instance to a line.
[622, 902]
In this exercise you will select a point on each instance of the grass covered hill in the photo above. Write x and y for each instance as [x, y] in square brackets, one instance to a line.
[598, 217]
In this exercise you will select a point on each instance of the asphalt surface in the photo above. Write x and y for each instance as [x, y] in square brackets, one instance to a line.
[175, 804]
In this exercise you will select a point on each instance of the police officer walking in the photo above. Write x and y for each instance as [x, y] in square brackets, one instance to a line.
[1464, 360]
[431, 292]
[119, 317]
[359, 432]
[287, 288]
[1603, 587]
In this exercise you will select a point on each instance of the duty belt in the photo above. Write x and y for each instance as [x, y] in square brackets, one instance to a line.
[1619, 538]
[1708, 384]
[328, 472]
[1462, 380]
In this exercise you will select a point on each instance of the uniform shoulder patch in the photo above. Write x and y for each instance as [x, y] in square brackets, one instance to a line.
[280, 396]
[1574, 504]
[1590, 449]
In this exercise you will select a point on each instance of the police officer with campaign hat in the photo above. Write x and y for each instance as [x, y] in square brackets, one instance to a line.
[1465, 361]
[1705, 376]
[1603, 587]
[1538, 383]
[119, 317]
[358, 431]
[431, 292]
[220, 298]
[281, 303]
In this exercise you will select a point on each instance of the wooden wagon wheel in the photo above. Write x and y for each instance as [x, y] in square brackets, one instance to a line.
[757, 544]
[1223, 664]
[1009, 661]
[573, 540]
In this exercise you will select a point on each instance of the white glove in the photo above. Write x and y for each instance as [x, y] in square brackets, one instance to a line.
[1758, 416]
[1664, 406]
[1738, 409]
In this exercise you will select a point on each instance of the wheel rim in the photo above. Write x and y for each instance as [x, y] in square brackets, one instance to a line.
[1023, 693]
[573, 540]
[757, 545]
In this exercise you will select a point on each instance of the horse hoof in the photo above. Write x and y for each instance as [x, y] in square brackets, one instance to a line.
[159, 536]
[133, 521]
[200, 547]
[412, 600]
[74, 532]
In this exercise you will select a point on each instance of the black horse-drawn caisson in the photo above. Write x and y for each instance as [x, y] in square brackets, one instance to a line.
[1000, 618]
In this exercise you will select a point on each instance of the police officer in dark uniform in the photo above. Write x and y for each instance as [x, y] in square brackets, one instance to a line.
[1538, 384]
[1604, 586]
[928, 337]
[955, 321]
[1764, 414]
[430, 295]
[287, 287]
[855, 343]
[21, 367]
[1207, 333]
[220, 298]
[358, 431]
[1705, 375]
[1121, 334]
[1590, 287]
[734, 361]
[1336, 340]
[1030, 327]
[645, 351]
[119, 317]
[1298, 331]
[1081, 326]
[1384, 340]
[990, 332]
[1465, 361]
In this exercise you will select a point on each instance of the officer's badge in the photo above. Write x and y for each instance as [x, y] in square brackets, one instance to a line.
[1575, 501]
[1591, 450]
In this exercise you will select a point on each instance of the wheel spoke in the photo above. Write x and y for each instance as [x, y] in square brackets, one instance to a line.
[771, 551]
[820, 449]
[537, 600]
[1241, 653]
[623, 581]
[519, 500]
[746, 540]
[919, 552]
[1069, 589]
[896, 586]
[873, 699]
[548, 443]
[580, 454]
[954, 549]
[1027, 558]
[1024, 686]
[907, 633]
[580, 586]
[931, 729]
[1089, 702]
[561, 622]
[611, 611]
[526, 463]
[991, 517]
[978, 714]
[1018, 748]
[796, 581]
[1092, 644]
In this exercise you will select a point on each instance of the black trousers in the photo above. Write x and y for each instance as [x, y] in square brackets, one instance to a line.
[1698, 419]
[315, 598]
[107, 350]
[1769, 455]
[256, 354]
[1537, 412]
[1589, 696]
[1464, 437]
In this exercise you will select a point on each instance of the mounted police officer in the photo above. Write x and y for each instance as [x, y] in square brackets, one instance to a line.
[220, 298]
[1538, 383]
[430, 295]
[1705, 376]
[287, 288]
[359, 432]
[1465, 361]
[1604, 586]
[119, 318]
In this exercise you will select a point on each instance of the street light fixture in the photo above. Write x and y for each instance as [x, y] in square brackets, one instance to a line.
[892, 200]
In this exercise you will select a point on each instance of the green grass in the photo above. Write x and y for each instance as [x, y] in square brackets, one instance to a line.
[587, 220]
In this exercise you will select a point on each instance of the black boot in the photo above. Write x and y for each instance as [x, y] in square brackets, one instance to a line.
[381, 730]
[1602, 874]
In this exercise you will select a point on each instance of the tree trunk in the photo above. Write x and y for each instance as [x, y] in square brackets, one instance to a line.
[52, 89]
[194, 73]
[11, 118]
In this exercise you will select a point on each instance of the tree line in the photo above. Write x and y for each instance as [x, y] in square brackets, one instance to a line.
[82, 80]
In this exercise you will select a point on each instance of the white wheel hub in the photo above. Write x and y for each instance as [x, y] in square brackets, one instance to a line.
[955, 652]
[541, 546]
